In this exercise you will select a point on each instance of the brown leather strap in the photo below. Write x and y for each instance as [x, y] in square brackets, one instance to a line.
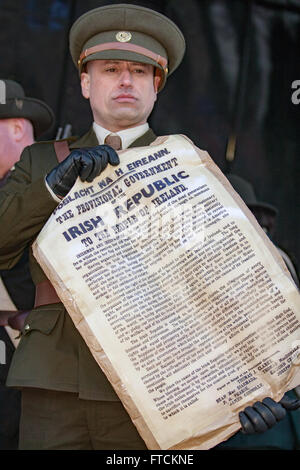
[45, 294]
[61, 149]
[125, 47]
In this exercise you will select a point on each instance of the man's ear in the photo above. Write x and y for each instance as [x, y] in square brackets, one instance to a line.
[18, 128]
[85, 84]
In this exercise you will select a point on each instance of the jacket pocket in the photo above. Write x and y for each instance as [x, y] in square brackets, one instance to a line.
[43, 319]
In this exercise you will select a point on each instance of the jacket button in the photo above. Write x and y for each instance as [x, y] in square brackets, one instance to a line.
[27, 327]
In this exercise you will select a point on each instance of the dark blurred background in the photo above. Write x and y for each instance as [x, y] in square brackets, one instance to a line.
[232, 95]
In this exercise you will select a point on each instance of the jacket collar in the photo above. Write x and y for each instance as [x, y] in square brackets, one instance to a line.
[87, 140]
[144, 140]
[90, 140]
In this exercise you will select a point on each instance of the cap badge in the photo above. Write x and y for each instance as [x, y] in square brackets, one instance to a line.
[123, 36]
[19, 103]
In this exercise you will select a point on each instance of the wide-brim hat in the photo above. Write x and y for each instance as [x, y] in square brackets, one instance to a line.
[127, 32]
[14, 104]
[247, 193]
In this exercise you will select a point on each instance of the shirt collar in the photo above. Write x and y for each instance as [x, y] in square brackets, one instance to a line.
[127, 136]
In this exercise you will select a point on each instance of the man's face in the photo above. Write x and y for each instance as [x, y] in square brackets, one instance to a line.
[122, 94]
[8, 156]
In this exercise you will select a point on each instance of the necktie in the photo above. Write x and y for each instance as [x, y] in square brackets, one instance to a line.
[114, 141]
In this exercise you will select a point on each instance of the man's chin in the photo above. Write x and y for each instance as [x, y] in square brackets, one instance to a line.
[124, 120]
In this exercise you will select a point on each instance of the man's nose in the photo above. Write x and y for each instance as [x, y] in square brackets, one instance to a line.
[125, 78]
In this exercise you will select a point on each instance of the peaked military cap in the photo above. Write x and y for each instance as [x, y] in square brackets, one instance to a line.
[14, 104]
[127, 32]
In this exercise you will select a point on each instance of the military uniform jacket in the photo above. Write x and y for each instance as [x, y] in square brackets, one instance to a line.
[51, 354]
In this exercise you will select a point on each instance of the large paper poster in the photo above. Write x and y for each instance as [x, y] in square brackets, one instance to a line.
[182, 299]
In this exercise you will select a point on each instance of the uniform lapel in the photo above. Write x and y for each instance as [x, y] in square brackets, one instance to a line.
[87, 140]
[144, 140]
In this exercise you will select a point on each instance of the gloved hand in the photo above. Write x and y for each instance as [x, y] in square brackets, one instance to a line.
[263, 415]
[87, 163]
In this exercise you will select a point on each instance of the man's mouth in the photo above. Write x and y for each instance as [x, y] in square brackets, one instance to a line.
[125, 98]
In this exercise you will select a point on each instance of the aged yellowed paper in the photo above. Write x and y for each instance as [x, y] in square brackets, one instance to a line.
[182, 299]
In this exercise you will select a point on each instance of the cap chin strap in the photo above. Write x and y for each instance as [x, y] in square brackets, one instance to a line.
[161, 61]
[158, 73]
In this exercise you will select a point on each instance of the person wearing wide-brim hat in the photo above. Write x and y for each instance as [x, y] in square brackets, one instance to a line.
[22, 120]
[15, 104]
[124, 54]
[264, 212]
[247, 193]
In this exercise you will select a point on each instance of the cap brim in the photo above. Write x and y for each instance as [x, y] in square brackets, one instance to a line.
[36, 111]
[264, 205]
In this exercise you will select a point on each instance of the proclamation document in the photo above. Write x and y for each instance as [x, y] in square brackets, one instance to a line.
[182, 299]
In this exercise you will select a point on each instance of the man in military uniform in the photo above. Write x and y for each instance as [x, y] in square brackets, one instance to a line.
[124, 54]
[21, 120]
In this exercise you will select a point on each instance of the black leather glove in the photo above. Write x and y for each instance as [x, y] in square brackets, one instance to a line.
[263, 415]
[87, 163]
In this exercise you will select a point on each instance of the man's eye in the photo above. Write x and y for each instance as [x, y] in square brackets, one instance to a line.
[111, 69]
[139, 70]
